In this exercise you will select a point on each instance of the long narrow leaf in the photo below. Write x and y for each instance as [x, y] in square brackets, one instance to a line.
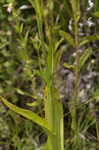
[27, 114]
[54, 115]
[68, 66]
[84, 57]
[68, 37]
[89, 39]
[76, 9]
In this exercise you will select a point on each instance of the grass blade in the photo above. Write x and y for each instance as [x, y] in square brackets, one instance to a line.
[84, 57]
[68, 37]
[27, 114]
[89, 39]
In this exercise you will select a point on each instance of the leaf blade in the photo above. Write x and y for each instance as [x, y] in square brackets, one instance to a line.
[68, 37]
[84, 57]
[89, 39]
[27, 114]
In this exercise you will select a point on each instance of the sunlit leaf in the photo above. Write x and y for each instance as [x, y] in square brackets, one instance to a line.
[27, 114]
[68, 66]
[89, 39]
[84, 57]
[58, 43]
[33, 104]
[68, 37]
[21, 92]
[54, 115]
[57, 57]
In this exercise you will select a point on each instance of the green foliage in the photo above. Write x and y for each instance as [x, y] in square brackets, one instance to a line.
[28, 114]
[84, 57]
[68, 37]
[49, 74]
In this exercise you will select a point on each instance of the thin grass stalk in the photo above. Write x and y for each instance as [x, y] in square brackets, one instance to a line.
[53, 106]
[75, 99]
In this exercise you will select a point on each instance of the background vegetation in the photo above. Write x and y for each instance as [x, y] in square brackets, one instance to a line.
[27, 32]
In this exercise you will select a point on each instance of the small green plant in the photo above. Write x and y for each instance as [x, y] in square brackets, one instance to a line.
[53, 122]
[48, 43]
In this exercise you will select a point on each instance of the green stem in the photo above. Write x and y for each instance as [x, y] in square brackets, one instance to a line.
[75, 98]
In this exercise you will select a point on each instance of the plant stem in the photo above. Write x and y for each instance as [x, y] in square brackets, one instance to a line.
[75, 98]
[53, 106]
